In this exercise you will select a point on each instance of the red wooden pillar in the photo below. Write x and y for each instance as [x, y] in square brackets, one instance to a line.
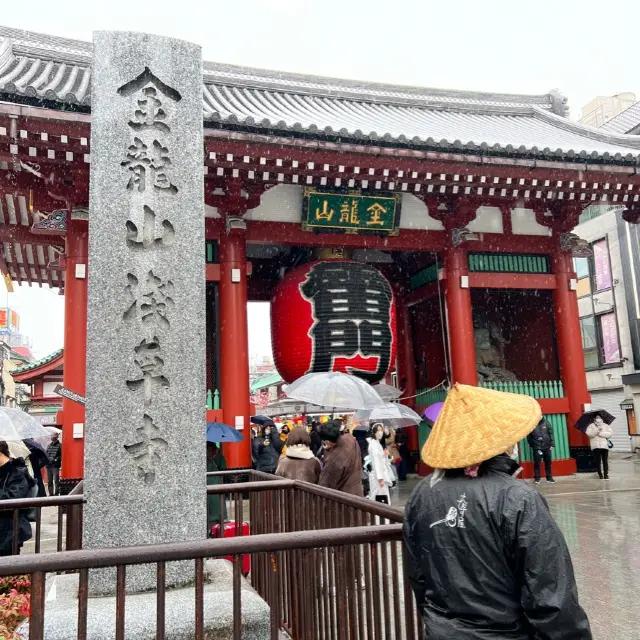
[234, 344]
[75, 348]
[460, 319]
[406, 354]
[569, 336]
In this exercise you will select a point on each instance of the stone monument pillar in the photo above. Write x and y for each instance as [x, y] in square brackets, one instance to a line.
[145, 462]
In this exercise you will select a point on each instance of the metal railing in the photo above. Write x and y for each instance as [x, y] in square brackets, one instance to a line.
[329, 565]
[358, 591]
[69, 509]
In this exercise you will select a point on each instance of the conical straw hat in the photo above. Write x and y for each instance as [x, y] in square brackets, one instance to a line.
[477, 424]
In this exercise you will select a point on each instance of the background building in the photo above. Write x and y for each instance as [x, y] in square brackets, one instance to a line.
[604, 322]
[603, 108]
[608, 290]
[40, 378]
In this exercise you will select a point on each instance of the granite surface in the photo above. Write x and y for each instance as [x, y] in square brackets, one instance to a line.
[61, 618]
[145, 458]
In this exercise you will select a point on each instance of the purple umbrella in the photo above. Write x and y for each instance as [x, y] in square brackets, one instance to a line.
[432, 412]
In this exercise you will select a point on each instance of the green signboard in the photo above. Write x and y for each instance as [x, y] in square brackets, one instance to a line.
[351, 212]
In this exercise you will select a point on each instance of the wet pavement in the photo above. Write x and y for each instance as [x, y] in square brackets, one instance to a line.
[601, 523]
[48, 533]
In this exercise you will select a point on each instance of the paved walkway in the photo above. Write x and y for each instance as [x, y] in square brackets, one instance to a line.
[48, 533]
[601, 523]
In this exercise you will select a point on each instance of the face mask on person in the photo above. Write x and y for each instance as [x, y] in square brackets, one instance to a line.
[513, 452]
[379, 435]
[599, 421]
[267, 432]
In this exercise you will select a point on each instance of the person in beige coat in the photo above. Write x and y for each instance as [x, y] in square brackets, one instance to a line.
[299, 463]
[599, 433]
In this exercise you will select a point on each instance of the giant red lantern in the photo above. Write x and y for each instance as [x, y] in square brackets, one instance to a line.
[334, 315]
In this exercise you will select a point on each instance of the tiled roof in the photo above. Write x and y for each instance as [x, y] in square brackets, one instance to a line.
[624, 122]
[56, 71]
[38, 363]
[267, 381]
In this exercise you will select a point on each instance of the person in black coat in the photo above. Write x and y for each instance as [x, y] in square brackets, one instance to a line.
[267, 447]
[316, 441]
[54, 454]
[39, 461]
[14, 485]
[542, 443]
[361, 436]
[486, 559]
[402, 442]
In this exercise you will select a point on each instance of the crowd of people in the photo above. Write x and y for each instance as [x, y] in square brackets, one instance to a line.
[471, 517]
[363, 462]
[486, 558]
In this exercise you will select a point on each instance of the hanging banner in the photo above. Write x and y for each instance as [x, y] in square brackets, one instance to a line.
[610, 345]
[602, 266]
[4, 321]
[350, 212]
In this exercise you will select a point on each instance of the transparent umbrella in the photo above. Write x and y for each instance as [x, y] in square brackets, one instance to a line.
[18, 450]
[397, 414]
[15, 424]
[336, 390]
[387, 392]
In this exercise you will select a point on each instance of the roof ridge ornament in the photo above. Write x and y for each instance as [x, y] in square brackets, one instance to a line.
[559, 103]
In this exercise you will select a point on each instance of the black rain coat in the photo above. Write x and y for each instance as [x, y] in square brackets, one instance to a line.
[14, 485]
[266, 451]
[541, 438]
[488, 562]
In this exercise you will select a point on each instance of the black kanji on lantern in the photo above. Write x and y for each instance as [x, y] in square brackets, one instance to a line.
[352, 313]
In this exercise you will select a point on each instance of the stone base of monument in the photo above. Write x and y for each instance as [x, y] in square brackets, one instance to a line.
[61, 611]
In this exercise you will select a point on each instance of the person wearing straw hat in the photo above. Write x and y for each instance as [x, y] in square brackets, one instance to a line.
[486, 560]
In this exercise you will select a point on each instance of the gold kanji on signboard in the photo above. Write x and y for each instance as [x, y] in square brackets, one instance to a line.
[376, 211]
[326, 213]
[351, 211]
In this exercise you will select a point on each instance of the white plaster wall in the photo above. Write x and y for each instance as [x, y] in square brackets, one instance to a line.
[282, 203]
[415, 215]
[48, 389]
[524, 223]
[210, 212]
[488, 220]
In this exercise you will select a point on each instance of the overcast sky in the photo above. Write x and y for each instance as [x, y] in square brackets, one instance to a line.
[583, 48]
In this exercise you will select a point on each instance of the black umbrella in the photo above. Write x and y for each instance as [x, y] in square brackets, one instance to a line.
[263, 421]
[587, 418]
